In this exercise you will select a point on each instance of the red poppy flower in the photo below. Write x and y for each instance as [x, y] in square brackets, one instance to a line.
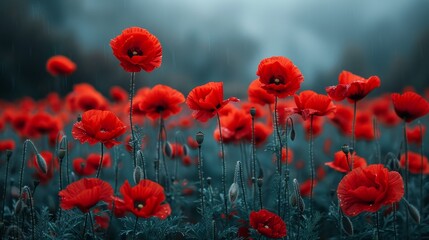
[98, 126]
[368, 189]
[414, 135]
[289, 156]
[236, 126]
[382, 108]
[85, 97]
[118, 94]
[174, 150]
[410, 106]
[207, 100]
[317, 127]
[137, 49]
[343, 119]
[309, 103]
[102, 219]
[19, 121]
[279, 76]
[161, 101]
[415, 163]
[85, 194]
[192, 143]
[60, 65]
[262, 132]
[305, 187]
[42, 123]
[51, 163]
[259, 95]
[352, 87]
[364, 126]
[320, 173]
[145, 200]
[342, 163]
[267, 224]
[7, 144]
[88, 166]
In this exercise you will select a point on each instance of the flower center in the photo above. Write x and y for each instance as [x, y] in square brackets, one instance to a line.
[134, 52]
[138, 204]
[276, 80]
[266, 226]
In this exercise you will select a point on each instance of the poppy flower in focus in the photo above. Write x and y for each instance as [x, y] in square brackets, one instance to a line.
[137, 49]
[368, 189]
[352, 87]
[409, 106]
[98, 126]
[207, 100]
[342, 163]
[60, 65]
[309, 103]
[118, 94]
[259, 95]
[267, 224]
[279, 76]
[415, 162]
[144, 200]
[51, 163]
[161, 101]
[85, 194]
[7, 144]
[414, 135]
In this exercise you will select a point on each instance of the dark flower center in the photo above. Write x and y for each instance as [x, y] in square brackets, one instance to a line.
[135, 51]
[139, 204]
[277, 80]
[160, 109]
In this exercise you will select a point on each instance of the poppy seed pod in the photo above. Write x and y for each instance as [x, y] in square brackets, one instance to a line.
[168, 149]
[41, 162]
[345, 148]
[8, 153]
[233, 193]
[252, 111]
[209, 181]
[199, 137]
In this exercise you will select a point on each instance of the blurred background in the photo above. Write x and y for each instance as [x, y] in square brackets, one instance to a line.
[214, 41]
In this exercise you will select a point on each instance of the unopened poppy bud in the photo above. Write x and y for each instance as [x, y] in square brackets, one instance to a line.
[61, 153]
[8, 153]
[297, 202]
[252, 111]
[79, 118]
[19, 206]
[414, 213]
[253, 180]
[41, 162]
[292, 134]
[199, 137]
[137, 174]
[233, 193]
[185, 150]
[209, 181]
[345, 148]
[168, 150]
[347, 225]
[260, 181]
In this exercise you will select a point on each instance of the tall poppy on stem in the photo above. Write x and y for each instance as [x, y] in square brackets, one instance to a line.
[206, 101]
[309, 104]
[280, 77]
[60, 65]
[354, 88]
[136, 49]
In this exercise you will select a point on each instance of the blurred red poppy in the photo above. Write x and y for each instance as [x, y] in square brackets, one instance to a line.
[318, 123]
[368, 189]
[262, 132]
[88, 166]
[174, 150]
[98, 126]
[309, 103]
[305, 187]
[85, 194]
[382, 108]
[342, 163]
[60, 65]
[207, 100]
[7, 144]
[192, 143]
[144, 200]
[267, 224]
[279, 76]
[343, 119]
[137, 49]
[352, 87]
[414, 135]
[415, 162]
[410, 106]
[236, 126]
[42, 123]
[102, 219]
[52, 164]
[365, 126]
[161, 101]
[118, 94]
[259, 95]
[85, 97]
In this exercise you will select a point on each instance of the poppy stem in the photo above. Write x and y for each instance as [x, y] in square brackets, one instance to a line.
[286, 206]
[377, 224]
[67, 159]
[100, 164]
[243, 189]
[131, 96]
[24, 152]
[406, 174]
[135, 228]
[312, 165]
[223, 167]
[253, 165]
[200, 173]
[30, 198]
[8, 155]
[421, 167]
[84, 226]
[164, 163]
[377, 140]
[279, 155]
[353, 132]
[395, 231]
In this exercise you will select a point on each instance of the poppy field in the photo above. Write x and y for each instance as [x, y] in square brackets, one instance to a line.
[156, 163]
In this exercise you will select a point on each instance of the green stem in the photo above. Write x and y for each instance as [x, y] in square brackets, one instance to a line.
[225, 202]
[311, 165]
[200, 173]
[253, 165]
[406, 176]
[131, 96]
[353, 132]
[5, 189]
[279, 156]
[100, 164]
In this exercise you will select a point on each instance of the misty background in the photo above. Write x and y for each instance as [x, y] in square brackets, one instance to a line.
[214, 41]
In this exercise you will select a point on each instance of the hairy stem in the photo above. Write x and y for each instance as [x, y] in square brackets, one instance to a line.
[311, 165]
[225, 202]
[100, 164]
[200, 173]
[131, 96]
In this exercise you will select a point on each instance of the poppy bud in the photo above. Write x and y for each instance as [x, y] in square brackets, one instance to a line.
[392, 162]
[233, 192]
[61, 153]
[8, 153]
[41, 162]
[346, 224]
[199, 137]
[253, 180]
[137, 174]
[414, 213]
[297, 202]
[209, 181]
[252, 111]
[19, 206]
[260, 181]
[168, 150]
[346, 149]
